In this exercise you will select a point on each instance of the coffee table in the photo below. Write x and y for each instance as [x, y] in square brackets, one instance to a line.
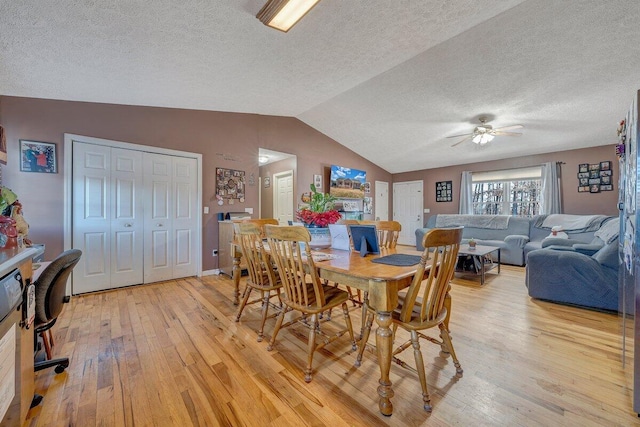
[480, 251]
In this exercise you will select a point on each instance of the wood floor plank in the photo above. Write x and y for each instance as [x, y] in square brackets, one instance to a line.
[171, 354]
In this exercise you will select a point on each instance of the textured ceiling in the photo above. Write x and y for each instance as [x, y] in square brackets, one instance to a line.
[388, 79]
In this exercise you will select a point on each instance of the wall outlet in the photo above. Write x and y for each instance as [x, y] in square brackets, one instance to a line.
[214, 252]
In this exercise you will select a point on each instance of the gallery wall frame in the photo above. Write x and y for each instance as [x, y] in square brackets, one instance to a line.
[595, 177]
[38, 156]
[444, 191]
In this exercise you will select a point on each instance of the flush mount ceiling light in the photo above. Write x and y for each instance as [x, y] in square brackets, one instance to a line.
[263, 159]
[284, 14]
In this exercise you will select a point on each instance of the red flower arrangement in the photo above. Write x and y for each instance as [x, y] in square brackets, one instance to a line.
[320, 219]
[320, 212]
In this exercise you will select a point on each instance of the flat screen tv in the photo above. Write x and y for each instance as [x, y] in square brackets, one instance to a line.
[347, 183]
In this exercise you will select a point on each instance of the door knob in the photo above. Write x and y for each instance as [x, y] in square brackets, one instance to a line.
[128, 225]
[158, 225]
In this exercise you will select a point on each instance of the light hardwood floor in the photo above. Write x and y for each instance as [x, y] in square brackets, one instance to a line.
[170, 354]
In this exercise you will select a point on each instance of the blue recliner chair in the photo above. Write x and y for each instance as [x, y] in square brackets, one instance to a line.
[571, 277]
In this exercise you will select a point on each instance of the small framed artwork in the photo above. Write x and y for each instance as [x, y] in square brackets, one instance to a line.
[606, 173]
[366, 187]
[317, 181]
[583, 167]
[583, 189]
[605, 180]
[605, 166]
[443, 191]
[608, 187]
[267, 182]
[583, 175]
[594, 188]
[37, 156]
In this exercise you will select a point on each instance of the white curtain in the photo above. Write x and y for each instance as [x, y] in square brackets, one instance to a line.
[550, 201]
[466, 194]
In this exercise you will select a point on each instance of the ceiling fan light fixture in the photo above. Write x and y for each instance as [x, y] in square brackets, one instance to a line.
[482, 138]
[284, 14]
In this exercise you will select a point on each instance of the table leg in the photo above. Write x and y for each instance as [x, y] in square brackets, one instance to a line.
[384, 343]
[236, 272]
[482, 271]
[498, 260]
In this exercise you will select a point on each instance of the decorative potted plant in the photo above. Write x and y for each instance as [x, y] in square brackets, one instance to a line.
[318, 215]
[472, 243]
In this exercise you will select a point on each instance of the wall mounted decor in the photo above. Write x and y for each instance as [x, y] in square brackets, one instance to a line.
[230, 185]
[443, 191]
[267, 182]
[595, 177]
[36, 156]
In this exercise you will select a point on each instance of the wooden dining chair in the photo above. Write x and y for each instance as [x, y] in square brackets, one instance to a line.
[303, 289]
[262, 276]
[426, 304]
[388, 232]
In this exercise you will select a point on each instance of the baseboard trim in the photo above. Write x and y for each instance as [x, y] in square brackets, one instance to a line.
[214, 272]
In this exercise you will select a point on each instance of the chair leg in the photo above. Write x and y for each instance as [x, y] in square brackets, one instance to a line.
[312, 347]
[364, 339]
[347, 319]
[446, 339]
[47, 344]
[266, 295]
[276, 330]
[417, 354]
[365, 306]
[245, 298]
[51, 338]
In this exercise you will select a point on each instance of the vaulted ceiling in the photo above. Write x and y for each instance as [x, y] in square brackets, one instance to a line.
[388, 79]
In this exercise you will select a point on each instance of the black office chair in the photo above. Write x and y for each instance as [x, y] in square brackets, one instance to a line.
[50, 296]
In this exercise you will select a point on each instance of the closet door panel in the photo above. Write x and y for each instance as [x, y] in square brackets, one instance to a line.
[91, 216]
[185, 219]
[127, 224]
[158, 214]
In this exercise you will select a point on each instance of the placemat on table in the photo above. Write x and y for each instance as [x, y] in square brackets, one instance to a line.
[402, 260]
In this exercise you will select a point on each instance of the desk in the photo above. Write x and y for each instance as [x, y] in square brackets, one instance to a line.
[383, 283]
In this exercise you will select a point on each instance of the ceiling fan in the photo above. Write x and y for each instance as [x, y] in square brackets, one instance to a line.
[485, 133]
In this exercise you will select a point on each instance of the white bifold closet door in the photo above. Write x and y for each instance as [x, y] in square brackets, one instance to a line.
[170, 217]
[133, 217]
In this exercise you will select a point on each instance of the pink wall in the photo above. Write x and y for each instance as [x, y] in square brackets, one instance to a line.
[604, 203]
[229, 140]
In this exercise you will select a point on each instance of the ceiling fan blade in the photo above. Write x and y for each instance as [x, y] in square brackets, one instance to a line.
[507, 128]
[463, 140]
[500, 133]
[457, 136]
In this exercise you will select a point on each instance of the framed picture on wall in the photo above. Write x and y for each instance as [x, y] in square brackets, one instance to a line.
[443, 191]
[37, 156]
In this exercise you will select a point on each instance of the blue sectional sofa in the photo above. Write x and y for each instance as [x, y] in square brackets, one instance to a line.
[509, 233]
[579, 270]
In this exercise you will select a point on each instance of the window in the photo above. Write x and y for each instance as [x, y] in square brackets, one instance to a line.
[507, 192]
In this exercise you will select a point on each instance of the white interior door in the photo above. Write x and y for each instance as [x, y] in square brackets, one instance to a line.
[407, 209]
[127, 222]
[185, 218]
[108, 220]
[158, 215]
[283, 197]
[92, 216]
[381, 201]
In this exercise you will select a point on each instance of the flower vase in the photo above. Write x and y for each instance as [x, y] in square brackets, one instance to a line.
[320, 237]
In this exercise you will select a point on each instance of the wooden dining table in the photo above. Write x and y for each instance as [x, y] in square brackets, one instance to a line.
[382, 282]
